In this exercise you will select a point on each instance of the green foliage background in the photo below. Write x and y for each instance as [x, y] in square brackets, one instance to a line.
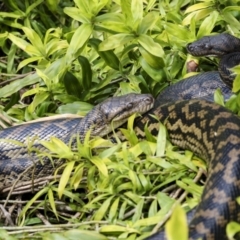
[65, 56]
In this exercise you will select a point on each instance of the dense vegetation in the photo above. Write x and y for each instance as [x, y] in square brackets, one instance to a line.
[66, 56]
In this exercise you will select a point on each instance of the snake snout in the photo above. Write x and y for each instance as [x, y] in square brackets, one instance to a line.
[195, 50]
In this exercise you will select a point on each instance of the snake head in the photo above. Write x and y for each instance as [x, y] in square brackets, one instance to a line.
[115, 111]
[216, 45]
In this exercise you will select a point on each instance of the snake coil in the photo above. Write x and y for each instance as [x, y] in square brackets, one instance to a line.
[211, 132]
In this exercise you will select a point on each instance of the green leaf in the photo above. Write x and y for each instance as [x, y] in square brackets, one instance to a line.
[33, 6]
[100, 165]
[102, 211]
[116, 229]
[218, 97]
[114, 209]
[178, 219]
[109, 56]
[153, 61]
[86, 72]
[35, 40]
[15, 86]
[231, 20]
[137, 12]
[115, 41]
[152, 47]
[198, 15]
[65, 178]
[127, 11]
[24, 45]
[138, 210]
[199, 6]
[208, 24]
[236, 84]
[78, 41]
[152, 72]
[232, 229]
[52, 202]
[38, 99]
[148, 22]
[27, 61]
[78, 15]
[72, 85]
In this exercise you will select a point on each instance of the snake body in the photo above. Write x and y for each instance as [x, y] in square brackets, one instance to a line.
[211, 132]
[207, 129]
[15, 158]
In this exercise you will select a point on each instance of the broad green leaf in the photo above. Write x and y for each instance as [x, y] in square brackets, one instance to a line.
[153, 61]
[86, 73]
[24, 45]
[178, 219]
[98, 5]
[218, 97]
[152, 72]
[230, 9]
[78, 40]
[38, 99]
[148, 22]
[178, 31]
[72, 85]
[208, 24]
[27, 61]
[115, 41]
[100, 165]
[232, 229]
[199, 6]
[15, 15]
[127, 12]
[152, 47]
[148, 221]
[15, 86]
[108, 56]
[58, 147]
[137, 12]
[231, 20]
[83, 5]
[78, 15]
[198, 15]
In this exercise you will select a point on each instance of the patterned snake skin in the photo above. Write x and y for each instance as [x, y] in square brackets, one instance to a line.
[16, 159]
[211, 132]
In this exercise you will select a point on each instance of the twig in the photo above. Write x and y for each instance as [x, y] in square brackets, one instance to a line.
[7, 215]
[16, 78]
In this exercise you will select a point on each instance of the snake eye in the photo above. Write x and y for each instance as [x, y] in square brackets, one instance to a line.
[129, 105]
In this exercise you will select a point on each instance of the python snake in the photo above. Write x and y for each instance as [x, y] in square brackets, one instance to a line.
[15, 159]
[210, 131]
[207, 129]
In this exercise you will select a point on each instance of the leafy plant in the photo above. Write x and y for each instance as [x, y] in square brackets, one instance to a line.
[65, 56]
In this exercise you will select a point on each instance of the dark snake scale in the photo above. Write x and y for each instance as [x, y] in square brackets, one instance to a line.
[207, 129]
